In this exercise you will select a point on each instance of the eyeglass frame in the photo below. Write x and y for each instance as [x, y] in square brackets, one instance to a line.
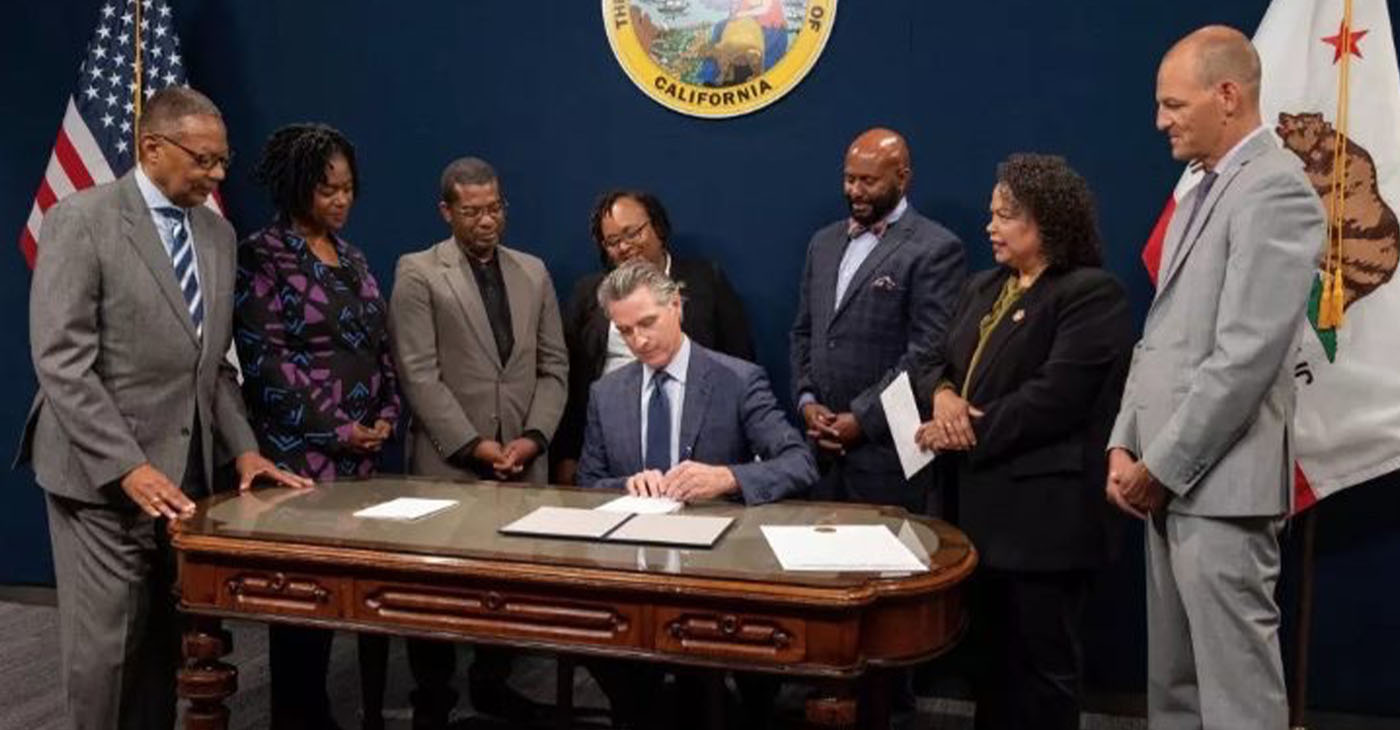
[631, 235]
[497, 210]
[202, 160]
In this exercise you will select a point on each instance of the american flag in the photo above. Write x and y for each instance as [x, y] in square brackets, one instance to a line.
[96, 141]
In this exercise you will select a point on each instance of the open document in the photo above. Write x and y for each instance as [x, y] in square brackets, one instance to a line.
[902, 415]
[840, 548]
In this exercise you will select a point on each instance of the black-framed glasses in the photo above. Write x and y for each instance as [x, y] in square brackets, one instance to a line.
[630, 235]
[202, 160]
[472, 212]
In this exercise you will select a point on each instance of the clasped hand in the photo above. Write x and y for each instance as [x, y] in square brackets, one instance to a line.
[369, 440]
[1131, 487]
[951, 427]
[687, 481]
[834, 432]
[509, 460]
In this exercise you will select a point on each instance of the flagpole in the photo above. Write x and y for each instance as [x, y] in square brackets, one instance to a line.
[1302, 632]
[138, 95]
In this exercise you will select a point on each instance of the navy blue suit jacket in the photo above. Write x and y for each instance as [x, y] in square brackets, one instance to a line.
[898, 303]
[729, 416]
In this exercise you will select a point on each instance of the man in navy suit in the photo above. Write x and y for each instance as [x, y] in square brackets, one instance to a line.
[683, 421]
[877, 288]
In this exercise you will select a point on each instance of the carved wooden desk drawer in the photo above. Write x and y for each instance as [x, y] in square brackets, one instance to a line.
[279, 592]
[488, 611]
[721, 634]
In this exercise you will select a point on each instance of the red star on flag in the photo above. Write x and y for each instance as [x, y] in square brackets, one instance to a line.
[1337, 42]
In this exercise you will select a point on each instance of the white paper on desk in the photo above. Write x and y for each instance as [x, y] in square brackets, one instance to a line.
[840, 548]
[902, 415]
[405, 508]
[641, 505]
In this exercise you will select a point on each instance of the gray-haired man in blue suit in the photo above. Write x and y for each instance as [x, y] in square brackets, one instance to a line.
[684, 421]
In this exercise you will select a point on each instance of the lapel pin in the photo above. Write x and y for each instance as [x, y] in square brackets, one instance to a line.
[1018, 315]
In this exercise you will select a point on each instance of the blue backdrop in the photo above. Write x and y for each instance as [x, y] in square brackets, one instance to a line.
[534, 88]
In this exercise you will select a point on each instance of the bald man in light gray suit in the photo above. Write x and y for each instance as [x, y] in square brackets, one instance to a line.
[1202, 442]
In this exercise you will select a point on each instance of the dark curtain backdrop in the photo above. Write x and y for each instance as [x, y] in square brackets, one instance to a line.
[534, 88]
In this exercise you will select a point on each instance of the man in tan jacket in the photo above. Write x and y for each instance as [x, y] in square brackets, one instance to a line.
[482, 362]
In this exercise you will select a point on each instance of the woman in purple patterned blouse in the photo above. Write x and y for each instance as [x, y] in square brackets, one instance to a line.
[318, 377]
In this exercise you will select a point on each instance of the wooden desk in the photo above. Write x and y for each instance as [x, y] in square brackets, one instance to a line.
[278, 555]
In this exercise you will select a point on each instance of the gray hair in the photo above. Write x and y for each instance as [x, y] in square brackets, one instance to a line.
[627, 278]
[465, 171]
[163, 111]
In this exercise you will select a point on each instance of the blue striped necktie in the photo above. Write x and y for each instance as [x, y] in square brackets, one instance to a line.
[186, 272]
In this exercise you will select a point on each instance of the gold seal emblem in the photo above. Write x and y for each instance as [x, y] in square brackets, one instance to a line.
[717, 58]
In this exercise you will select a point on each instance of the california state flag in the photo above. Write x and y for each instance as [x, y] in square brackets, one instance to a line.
[1331, 93]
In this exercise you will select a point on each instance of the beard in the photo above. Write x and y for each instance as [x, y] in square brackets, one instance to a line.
[880, 206]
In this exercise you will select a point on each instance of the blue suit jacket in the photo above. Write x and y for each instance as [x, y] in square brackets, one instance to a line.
[729, 417]
[898, 303]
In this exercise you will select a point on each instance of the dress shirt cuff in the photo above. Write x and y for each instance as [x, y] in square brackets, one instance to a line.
[804, 398]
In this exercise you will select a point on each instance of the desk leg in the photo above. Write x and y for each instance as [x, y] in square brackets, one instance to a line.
[833, 706]
[203, 680]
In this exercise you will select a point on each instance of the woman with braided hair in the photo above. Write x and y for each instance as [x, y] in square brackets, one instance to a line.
[318, 377]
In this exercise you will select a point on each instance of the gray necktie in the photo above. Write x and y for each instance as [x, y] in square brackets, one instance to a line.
[1201, 191]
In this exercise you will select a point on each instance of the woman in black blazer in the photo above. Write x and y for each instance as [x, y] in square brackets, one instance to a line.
[628, 224]
[1025, 387]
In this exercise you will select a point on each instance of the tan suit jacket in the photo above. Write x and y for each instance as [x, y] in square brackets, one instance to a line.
[450, 369]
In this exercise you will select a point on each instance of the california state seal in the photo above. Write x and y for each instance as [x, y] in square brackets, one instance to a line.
[717, 58]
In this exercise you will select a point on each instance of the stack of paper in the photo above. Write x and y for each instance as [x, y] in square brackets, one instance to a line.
[405, 508]
[642, 505]
[840, 548]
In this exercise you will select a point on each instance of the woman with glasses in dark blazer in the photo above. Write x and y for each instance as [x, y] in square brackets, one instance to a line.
[1025, 387]
[629, 224]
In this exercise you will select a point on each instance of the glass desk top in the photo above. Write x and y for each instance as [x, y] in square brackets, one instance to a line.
[324, 516]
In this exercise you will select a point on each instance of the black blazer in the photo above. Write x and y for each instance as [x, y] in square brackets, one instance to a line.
[1030, 493]
[713, 317]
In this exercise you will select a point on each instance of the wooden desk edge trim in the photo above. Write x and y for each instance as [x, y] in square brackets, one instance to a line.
[786, 593]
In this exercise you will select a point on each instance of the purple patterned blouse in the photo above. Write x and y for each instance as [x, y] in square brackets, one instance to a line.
[314, 349]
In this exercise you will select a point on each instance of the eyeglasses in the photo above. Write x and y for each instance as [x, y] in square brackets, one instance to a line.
[472, 212]
[201, 160]
[630, 235]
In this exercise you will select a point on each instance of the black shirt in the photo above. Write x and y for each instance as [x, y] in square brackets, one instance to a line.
[493, 294]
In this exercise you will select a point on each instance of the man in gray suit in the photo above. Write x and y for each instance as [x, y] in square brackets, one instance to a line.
[683, 421]
[480, 350]
[1201, 445]
[130, 314]
[877, 288]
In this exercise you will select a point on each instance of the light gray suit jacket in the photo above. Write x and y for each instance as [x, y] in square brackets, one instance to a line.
[450, 369]
[122, 374]
[1209, 401]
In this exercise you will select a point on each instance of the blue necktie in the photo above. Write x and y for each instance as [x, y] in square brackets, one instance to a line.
[658, 439]
[186, 273]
